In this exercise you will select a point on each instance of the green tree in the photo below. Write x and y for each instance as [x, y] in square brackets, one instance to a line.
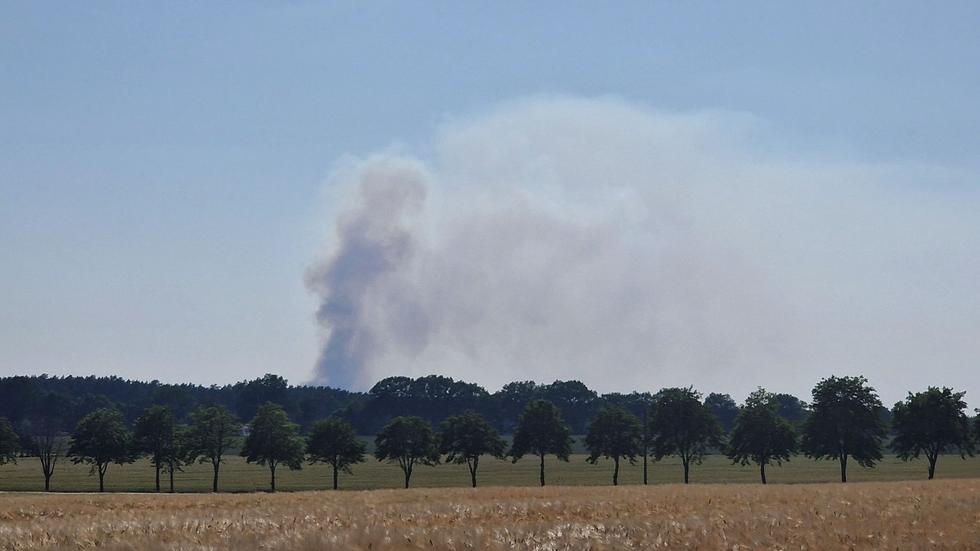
[511, 400]
[541, 431]
[844, 422]
[268, 388]
[212, 431]
[681, 425]
[724, 408]
[792, 408]
[976, 425]
[407, 441]
[760, 435]
[614, 434]
[333, 441]
[176, 458]
[272, 441]
[576, 402]
[45, 430]
[155, 435]
[637, 403]
[99, 439]
[9, 442]
[931, 423]
[466, 437]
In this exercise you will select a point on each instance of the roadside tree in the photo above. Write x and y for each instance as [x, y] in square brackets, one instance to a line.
[467, 437]
[845, 422]
[541, 431]
[212, 431]
[683, 426]
[155, 435]
[614, 434]
[407, 442]
[931, 423]
[760, 435]
[100, 439]
[272, 441]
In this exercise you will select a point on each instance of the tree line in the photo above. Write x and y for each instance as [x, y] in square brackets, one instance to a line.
[845, 423]
[30, 400]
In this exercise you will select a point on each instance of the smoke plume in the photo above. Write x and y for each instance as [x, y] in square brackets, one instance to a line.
[600, 240]
[374, 243]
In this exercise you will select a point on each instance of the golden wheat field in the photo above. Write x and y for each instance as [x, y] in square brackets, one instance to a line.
[885, 515]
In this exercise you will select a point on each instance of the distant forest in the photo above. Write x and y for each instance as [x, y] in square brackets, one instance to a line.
[433, 397]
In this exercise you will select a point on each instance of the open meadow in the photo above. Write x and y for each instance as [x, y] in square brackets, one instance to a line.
[939, 514]
[239, 476]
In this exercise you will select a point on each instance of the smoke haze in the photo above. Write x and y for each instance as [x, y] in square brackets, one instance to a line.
[595, 239]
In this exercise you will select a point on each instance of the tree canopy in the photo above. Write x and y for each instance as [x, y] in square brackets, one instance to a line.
[432, 397]
[44, 428]
[760, 435]
[683, 426]
[334, 442]
[614, 434]
[268, 388]
[212, 431]
[466, 437]
[407, 441]
[791, 408]
[99, 439]
[272, 441]
[155, 434]
[845, 422]
[724, 408]
[541, 431]
[509, 402]
[932, 422]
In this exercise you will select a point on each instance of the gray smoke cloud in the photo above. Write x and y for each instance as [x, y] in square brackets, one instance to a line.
[374, 243]
[632, 249]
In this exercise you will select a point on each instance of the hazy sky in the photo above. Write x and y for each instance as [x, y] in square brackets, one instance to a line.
[723, 194]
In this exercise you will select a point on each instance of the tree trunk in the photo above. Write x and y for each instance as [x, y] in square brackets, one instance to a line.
[157, 468]
[272, 469]
[408, 477]
[542, 470]
[214, 482]
[645, 453]
[843, 468]
[646, 440]
[335, 469]
[48, 457]
[476, 464]
[687, 468]
[101, 478]
[932, 465]
[762, 471]
[616, 471]
[171, 477]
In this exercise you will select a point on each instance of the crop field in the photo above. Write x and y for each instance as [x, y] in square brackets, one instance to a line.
[239, 476]
[940, 514]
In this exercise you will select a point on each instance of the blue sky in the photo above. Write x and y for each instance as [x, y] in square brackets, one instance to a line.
[162, 166]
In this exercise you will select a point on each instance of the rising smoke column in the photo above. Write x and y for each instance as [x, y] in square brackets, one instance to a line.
[373, 241]
[599, 240]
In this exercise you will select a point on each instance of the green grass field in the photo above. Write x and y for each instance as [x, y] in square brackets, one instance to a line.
[237, 476]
